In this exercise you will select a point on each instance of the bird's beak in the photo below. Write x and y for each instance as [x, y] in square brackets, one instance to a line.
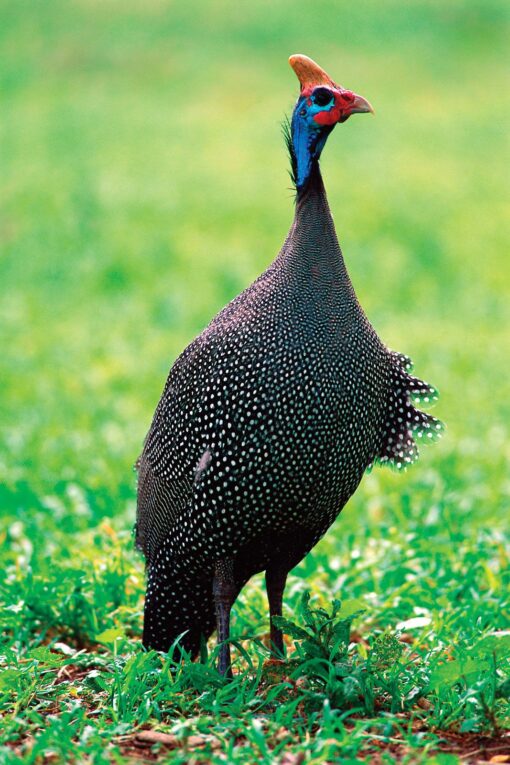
[360, 105]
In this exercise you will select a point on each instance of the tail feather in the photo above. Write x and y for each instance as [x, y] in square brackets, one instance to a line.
[406, 424]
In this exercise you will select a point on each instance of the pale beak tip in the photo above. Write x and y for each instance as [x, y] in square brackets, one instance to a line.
[362, 106]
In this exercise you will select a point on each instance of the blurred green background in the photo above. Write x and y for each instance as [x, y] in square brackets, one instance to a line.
[144, 184]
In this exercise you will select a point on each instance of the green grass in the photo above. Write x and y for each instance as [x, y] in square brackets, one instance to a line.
[144, 183]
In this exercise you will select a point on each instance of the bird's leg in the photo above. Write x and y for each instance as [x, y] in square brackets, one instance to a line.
[275, 585]
[225, 592]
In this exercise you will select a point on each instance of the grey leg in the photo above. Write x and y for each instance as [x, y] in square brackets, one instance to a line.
[225, 592]
[275, 585]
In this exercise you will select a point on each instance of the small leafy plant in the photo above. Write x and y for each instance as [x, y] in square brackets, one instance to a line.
[349, 676]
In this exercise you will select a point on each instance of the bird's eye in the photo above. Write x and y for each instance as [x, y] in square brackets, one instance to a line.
[322, 96]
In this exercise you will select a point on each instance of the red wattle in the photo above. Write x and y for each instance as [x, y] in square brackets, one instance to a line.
[328, 118]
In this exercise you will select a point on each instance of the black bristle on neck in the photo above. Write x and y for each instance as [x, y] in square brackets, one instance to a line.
[287, 136]
[314, 180]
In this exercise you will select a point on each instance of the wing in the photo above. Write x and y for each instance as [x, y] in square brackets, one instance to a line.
[172, 449]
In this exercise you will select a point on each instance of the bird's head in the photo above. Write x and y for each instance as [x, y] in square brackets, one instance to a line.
[322, 103]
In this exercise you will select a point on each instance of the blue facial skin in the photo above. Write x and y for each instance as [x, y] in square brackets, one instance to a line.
[308, 138]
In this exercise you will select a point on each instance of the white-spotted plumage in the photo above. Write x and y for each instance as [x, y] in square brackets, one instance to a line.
[267, 422]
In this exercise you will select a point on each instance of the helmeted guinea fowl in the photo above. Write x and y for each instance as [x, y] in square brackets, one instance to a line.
[270, 417]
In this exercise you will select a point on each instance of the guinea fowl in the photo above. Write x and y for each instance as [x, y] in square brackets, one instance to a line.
[270, 417]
